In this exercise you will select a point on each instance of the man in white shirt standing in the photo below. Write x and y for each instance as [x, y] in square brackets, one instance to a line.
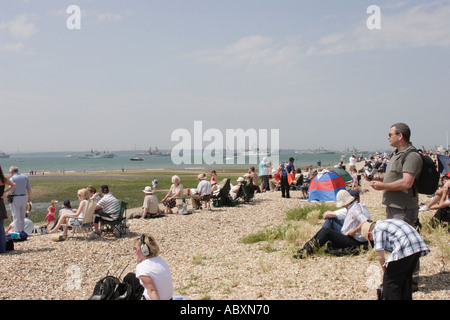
[203, 191]
[352, 163]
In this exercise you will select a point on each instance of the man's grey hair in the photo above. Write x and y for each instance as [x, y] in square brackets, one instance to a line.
[13, 169]
[403, 129]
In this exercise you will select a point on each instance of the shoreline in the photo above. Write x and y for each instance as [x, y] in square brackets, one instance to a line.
[193, 170]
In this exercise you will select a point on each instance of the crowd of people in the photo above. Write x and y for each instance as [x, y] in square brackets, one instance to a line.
[350, 226]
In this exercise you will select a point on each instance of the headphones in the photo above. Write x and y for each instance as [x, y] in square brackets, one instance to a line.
[144, 247]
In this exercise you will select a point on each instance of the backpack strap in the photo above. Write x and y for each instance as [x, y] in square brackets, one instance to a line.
[403, 161]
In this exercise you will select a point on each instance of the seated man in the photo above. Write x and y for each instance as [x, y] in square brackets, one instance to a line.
[436, 202]
[107, 210]
[234, 191]
[274, 183]
[335, 219]
[350, 234]
[203, 191]
[150, 207]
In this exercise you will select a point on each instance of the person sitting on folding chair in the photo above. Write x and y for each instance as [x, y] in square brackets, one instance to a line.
[203, 191]
[72, 217]
[107, 210]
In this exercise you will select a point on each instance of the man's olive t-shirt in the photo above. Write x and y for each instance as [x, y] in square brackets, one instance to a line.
[400, 162]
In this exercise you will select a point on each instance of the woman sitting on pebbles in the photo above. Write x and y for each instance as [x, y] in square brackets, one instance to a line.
[152, 271]
[73, 218]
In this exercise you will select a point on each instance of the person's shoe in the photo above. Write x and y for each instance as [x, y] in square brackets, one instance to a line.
[94, 235]
[424, 208]
[300, 254]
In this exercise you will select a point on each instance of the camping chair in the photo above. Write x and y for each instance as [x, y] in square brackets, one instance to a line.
[116, 227]
[223, 198]
[86, 221]
[297, 183]
[248, 190]
[206, 201]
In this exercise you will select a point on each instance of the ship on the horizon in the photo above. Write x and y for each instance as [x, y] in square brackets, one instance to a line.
[97, 155]
[3, 155]
[319, 151]
[155, 152]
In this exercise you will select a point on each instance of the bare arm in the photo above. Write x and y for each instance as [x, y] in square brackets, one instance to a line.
[12, 185]
[76, 212]
[329, 215]
[404, 183]
[352, 232]
[443, 202]
[381, 259]
[150, 286]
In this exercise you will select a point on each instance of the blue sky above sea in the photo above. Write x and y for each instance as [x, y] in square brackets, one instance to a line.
[138, 70]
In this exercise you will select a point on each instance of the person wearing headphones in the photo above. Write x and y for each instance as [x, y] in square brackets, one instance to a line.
[152, 271]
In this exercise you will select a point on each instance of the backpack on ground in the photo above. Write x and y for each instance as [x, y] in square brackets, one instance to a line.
[105, 288]
[111, 288]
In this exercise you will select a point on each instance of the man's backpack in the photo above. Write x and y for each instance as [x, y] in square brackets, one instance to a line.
[428, 180]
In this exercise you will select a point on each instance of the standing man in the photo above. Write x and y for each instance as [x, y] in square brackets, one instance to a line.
[264, 174]
[286, 168]
[352, 163]
[400, 194]
[21, 196]
[398, 182]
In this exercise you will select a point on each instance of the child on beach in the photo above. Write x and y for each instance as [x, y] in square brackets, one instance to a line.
[66, 206]
[51, 212]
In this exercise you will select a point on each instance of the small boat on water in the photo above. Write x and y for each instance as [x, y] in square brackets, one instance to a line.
[136, 158]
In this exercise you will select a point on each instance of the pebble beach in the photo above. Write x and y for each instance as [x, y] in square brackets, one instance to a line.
[209, 261]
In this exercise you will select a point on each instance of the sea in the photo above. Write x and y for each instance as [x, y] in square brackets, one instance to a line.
[73, 163]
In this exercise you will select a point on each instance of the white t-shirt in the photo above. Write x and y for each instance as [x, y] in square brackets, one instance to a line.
[81, 215]
[158, 270]
[204, 187]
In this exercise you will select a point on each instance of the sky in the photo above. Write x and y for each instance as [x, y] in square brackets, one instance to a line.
[136, 71]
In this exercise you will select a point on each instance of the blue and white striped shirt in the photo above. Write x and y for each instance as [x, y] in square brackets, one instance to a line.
[22, 182]
[399, 238]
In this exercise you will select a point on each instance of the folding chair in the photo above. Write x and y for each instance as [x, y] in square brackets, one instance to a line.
[223, 197]
[85, 222]
[206, 201]
[116, 227]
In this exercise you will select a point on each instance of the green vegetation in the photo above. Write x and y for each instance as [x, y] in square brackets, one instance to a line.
[302, 224]
[125, 186]
[302, 212]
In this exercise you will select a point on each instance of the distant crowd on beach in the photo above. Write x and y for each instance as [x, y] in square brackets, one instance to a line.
[346, 230]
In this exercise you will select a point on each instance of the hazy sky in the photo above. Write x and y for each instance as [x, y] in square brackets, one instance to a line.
[138, 70]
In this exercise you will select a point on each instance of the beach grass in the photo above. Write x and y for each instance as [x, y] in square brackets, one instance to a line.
[125, 186]
[303, 211]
